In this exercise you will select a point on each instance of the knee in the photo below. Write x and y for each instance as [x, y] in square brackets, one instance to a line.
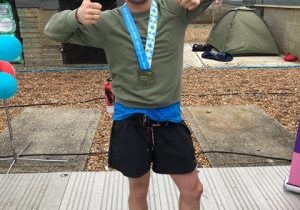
[139, 191]
[193, 194]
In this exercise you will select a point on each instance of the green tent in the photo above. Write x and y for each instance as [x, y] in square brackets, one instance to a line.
[242, 32]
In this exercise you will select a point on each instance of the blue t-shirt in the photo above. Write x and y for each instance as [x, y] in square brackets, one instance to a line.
[170, 113]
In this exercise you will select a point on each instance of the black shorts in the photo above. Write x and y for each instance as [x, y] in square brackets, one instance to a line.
[137, 143]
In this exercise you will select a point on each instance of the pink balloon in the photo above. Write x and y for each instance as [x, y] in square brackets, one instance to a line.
[7, 67]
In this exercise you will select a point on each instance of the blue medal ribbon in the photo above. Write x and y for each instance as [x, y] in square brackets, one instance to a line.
[144, 55]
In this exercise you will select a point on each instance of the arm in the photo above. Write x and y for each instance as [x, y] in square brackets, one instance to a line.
[84, 26]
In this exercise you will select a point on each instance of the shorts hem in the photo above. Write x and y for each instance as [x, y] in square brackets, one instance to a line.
[130, 175]
[189, 170]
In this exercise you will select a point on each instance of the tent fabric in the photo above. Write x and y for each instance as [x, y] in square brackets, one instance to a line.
[242, 32]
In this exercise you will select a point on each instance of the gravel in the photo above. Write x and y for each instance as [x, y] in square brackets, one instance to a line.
[275, 91]
[197, 33]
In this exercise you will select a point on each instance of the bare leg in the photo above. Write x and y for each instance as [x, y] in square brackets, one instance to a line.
[190, 189]
[138, 190]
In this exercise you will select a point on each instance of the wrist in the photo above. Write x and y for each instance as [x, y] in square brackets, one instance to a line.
[76, 17]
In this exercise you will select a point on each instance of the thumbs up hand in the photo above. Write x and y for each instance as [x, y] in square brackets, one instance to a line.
[89, 12]
[189, 4]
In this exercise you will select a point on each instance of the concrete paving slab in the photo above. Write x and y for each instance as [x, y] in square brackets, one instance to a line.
[190, 58]
[241, 128]
[51, 130]
[248, 62]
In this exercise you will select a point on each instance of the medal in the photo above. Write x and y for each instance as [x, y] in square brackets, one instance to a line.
[146, 77]
[144, 55]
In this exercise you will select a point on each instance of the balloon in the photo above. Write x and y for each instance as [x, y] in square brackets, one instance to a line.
[7, 67]
[10, 48]
[8, 85]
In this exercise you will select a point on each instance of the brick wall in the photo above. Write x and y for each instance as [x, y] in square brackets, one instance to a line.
[285, 24]
[38, 49]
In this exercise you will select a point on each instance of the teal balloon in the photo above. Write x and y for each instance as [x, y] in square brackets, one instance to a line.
[8, 85]
[10, 48]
